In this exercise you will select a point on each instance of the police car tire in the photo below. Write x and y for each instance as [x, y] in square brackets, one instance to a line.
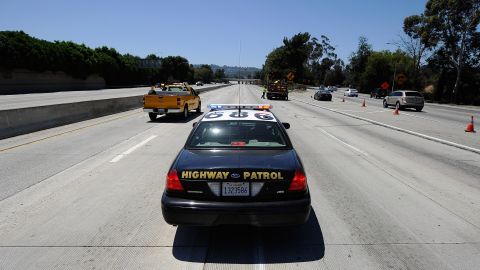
[153, 116]
[199, 108]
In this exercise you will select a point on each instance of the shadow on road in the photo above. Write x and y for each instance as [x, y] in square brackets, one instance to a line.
[175, 118]
[251, 245]
[411, 110]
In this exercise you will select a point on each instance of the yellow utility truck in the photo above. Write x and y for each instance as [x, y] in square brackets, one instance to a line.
[171, 99]
[277, 89]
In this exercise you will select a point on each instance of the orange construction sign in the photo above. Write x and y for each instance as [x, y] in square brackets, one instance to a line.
[385, 85]
[290, 76]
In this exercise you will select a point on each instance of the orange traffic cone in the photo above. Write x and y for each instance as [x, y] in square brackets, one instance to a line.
[363, 103]
[470, 126]
[395, 112]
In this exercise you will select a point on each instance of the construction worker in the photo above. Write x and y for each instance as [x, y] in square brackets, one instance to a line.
[264, 90]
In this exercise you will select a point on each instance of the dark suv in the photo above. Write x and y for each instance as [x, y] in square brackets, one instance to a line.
[378, 93]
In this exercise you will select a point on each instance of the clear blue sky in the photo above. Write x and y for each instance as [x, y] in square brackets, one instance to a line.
[209, 31]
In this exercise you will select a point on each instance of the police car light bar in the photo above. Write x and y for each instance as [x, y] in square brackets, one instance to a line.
[216, 107]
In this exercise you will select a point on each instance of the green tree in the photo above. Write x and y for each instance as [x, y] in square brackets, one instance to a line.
[335, 75]
[321, 60]
[152, 57]
[219, 74]
[308, 58]
[176, 68]
[19, 50]
[358, 63]
[291, 57]
[450, 26]
[380, 68]
[203, 73]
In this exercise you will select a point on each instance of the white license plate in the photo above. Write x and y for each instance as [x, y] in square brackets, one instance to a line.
[235, 189]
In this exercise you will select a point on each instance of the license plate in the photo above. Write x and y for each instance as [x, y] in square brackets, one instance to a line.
[235, 189]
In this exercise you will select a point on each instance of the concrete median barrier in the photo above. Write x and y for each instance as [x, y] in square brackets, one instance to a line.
[20, 121]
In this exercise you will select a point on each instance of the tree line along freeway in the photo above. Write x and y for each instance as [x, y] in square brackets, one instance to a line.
[87, 195]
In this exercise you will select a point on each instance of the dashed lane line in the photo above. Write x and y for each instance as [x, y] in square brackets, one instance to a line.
[66, 132]
[342, 142]
[133, 148]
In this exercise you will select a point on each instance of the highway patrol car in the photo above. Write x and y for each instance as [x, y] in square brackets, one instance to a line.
[238, 166]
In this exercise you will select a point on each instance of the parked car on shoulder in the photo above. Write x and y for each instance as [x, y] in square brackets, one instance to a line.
[378, 93]
[350, 92]
[403, 99]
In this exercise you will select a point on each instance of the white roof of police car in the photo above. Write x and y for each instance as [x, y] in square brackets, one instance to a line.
[252, 115]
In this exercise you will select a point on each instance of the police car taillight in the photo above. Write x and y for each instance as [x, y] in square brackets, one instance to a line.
[173, 182]
[299, 182]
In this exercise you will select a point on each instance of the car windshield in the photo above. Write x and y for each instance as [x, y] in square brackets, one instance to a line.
[230, 134]
[413, 94]
[353, 90]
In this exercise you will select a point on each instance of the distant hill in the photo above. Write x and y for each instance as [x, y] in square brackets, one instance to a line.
[234, 72]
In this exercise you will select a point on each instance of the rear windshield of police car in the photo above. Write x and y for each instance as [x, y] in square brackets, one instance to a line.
[238, 134]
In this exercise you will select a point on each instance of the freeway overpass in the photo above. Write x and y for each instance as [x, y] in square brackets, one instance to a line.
[382, 198]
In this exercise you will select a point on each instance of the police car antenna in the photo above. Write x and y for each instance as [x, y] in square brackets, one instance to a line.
[239, 54]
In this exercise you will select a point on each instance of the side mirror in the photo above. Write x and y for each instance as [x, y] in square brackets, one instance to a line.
[194, 124]
[286, 125]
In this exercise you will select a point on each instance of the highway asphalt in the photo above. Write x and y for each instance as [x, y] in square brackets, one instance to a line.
[87, 196]
[440, 121]
[35, 100]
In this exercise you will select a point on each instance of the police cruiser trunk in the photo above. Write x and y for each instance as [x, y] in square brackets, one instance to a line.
[237, 167]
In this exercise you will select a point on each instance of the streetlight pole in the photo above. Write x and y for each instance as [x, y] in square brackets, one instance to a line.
[394, 75]
[394, 69]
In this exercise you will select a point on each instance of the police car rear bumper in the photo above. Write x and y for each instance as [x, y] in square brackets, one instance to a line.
[179, 211]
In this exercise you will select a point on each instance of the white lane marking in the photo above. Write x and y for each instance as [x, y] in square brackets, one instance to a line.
[133, 148]
[342, 142]
[426, 118]
[352, 111]
[260, 257]
[377, 111]
[364, 111]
